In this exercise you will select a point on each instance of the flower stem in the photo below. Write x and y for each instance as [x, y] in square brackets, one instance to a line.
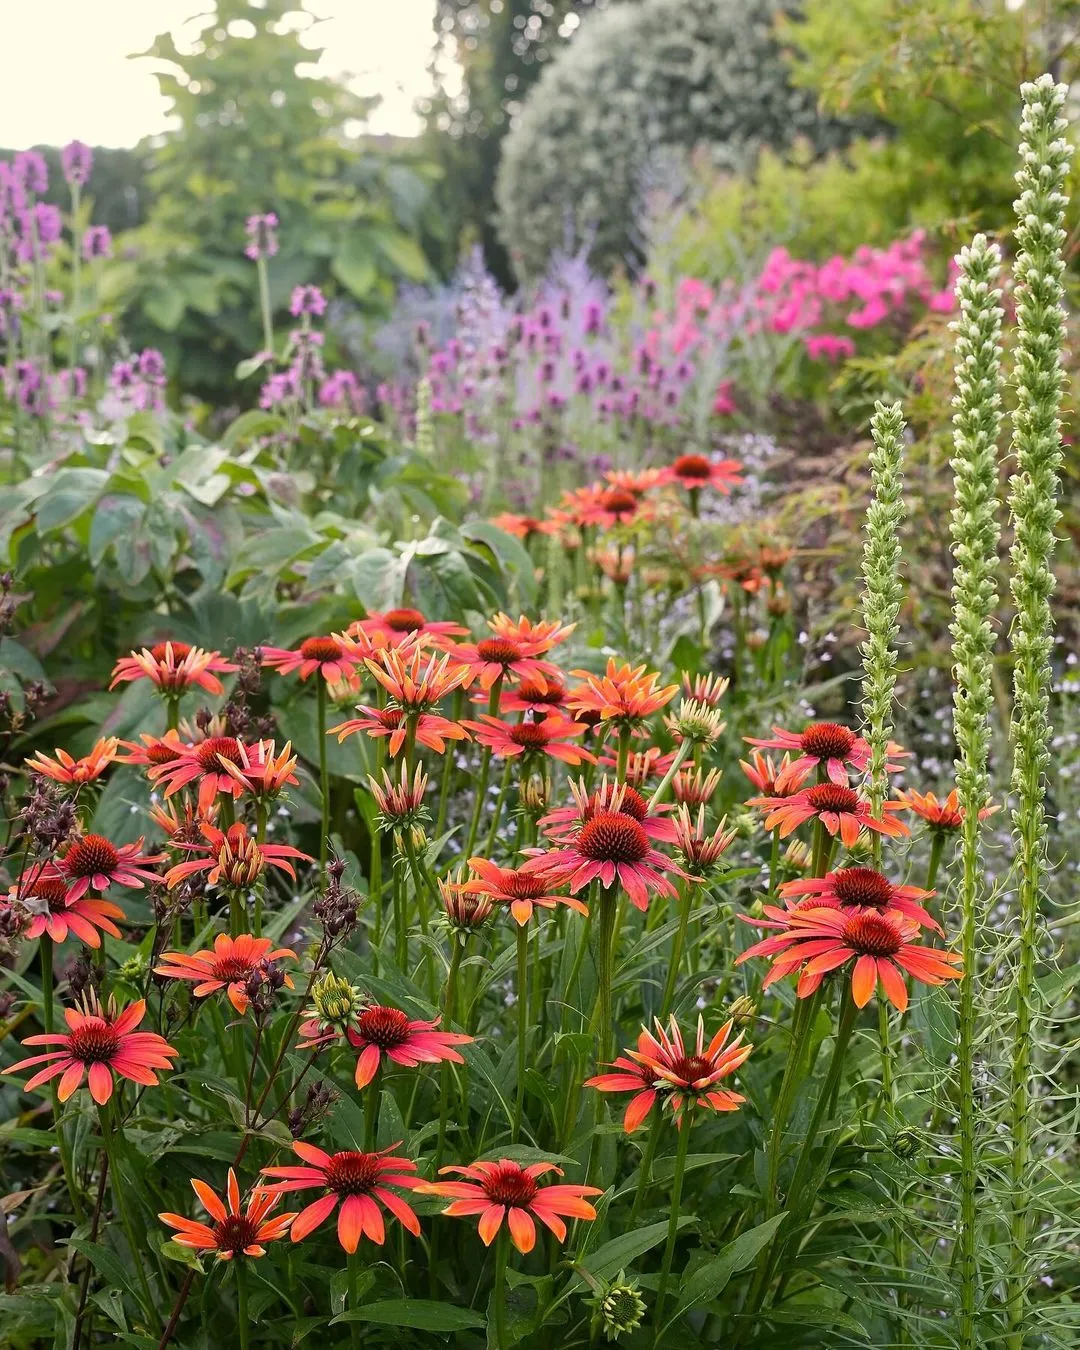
[685, 747]
[353, 1266]
[605, 960]
[242, 1303]
[109, 1139]
[504, 787]
[677, 944]
[685, 1127]
[324, 777]
[371, 1111]
[48, 1013]
[645, 1169]
[264, 304]
[523, 1022]
[502, 1243]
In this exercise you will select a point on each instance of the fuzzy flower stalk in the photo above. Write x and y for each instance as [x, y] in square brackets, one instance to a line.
[975, 532]
[1036, 445]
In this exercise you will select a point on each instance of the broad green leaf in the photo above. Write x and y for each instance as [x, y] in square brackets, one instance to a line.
[617, 1254]
[510, 554]
[114, 515]
[422, 1313]
[254, 422]
[814, 1315]
[710, 1279]
[403, 253]
[354, 265]
[69, 494]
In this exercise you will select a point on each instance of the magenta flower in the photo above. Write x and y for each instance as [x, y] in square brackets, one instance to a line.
[77, 160]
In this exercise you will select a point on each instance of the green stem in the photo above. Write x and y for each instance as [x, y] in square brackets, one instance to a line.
[48, 1012]
[685, 898]
[502, 1243]
[353, 1266]
[264, 305]
[686, 1125]
[523, 1022]
[645, 1169]
[371, 1111]
[937, 847]
[242, 1303]
[625, 734]
[504, 787]
[324, 777]
[604, 965]
[685, 747]
[774, 865]
[448, 766]
[120, 1194]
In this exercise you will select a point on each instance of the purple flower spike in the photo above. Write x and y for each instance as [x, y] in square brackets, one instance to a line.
[77, 160]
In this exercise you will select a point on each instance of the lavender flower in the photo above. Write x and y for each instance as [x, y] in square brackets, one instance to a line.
[31, 171]
[262, 236]
[97, 243]
[307, 300]
[76, 160]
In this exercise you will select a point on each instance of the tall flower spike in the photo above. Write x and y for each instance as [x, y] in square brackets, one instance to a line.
[881, 595]
[1036, 443]
[975, 532]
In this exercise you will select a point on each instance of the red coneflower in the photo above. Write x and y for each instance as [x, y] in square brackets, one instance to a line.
[828, 744]
[817, 941]
[549, 631]
[698, 471]
[96, 1045]
[708, 689]
[387, 1031]
[234, 1232]
[359, 1182]
[91, 860]
[624, 694]
[641, 765]
[548, 736]
[614, 848]
[621, 798]
[676, 1075]
[44, 892]
[692, 788]
[861, 888]
[840, 809]
[700, 850]
[416, 680]
[946, 814]
[233, 857]
[227, 967]
[504, 1191]
[179, 828]
[771, 779]
[154, 749]
[401, 801]
[519, 888]
[495, 658]
[203, 763]
[637, 481]
[393, 627]
[66, 769]
[173, 667]
[260, 771]
[522, 527]
[431, 730]
[532, 696]
[325, 654]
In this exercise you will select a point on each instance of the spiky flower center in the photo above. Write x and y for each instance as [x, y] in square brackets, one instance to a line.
[52, 890]
[404, 620]
[160, 752]
[508, 1184]
[391, 718]
[827, 740]
[551, 695]
[531, 735]
[91, 856]
[180, 651]
[862, 886]
[619, 502]
[384, 1027]
[95, 1042]
[623, 1308]
[207, 752]
[523, 885]
[502, 651]
[352, 1173]
[872, 935]
[235, 1232]
[832, 797]
[609, 837]
[320, 649]
[693, 467]
[230, 968]
[690, 1068]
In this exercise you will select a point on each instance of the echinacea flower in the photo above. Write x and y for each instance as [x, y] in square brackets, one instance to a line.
[44, 892]
[683, 1078]
[233, 857]
[203, 763]
[861, 888]
[817, 941]
[531, 696]
[700, 850]
[380, 1031]
[519, 888]
[179, 827]
[358, 1182]
[548, 631]
[946, 814]
[96, 1045]
[173, 667]
[522, 527]
[772, 779]
[260, 771]
[546, 736]
[641, 765]
[621, 798]
[615, 849]
[91, 860]
[691, 787]
[637, 481]
[697, 471]
[416, 681]
[401, 802]
[66, 769]
[505, 1192]
[499, 658]
[840, 809]
[228, 966]
[624, 694]
[154, 750]
[392, 627]
[327, 655]
[234, 1232]
[708, 688]
[698, 723]
[429, 729]
[465, 909]
[827, 745]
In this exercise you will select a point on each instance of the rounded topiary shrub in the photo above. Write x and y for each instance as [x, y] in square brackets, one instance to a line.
[641, 78]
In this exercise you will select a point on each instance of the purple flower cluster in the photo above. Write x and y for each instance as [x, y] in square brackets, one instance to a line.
[137, 384]
[76, 161]
[44, 393]
[262, 236]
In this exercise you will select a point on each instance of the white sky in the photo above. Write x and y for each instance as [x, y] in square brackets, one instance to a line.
[67, 75]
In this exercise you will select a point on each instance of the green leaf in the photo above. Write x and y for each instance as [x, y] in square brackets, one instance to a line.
[354, 266]
[114, 515]
[710, 1279]
[107, 1264]
[403, 253]
[617, 1254]
[69, 494]
[378, 578]
[510, 553]
[254, 422]
[422, 1313]
[808, 1314]
[164, 306]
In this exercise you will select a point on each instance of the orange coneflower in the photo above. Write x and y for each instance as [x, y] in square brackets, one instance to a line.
[227, 966]
[637, 481]
[825, 744]
[400, 802]
[91, 860]
[548, 736]
[406, 1041]
[708, 689]
[66, 769]
[523, 527]
[44, 892]
[519, 888]
[698, 471]
[700, 850]
[840, 809]
[154, 749]
[416, 681]
[641, 765]
[817, 941]
[772, 779]
[203, 763]
[359, 1182]
[430, 729]
[393, 627]
[234, 1232]
[549, 631]
[506, 1191]
[260, 771]
[532, 696]
[624, 694]
[605, 506]
[180, 828]
[621, 798]
[98, 1044]
[325, 654]
[861, 888]
[667, 1071]
[497, 658]
[233, 857]
[693, 788]
[946, 814]
[173, 667]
